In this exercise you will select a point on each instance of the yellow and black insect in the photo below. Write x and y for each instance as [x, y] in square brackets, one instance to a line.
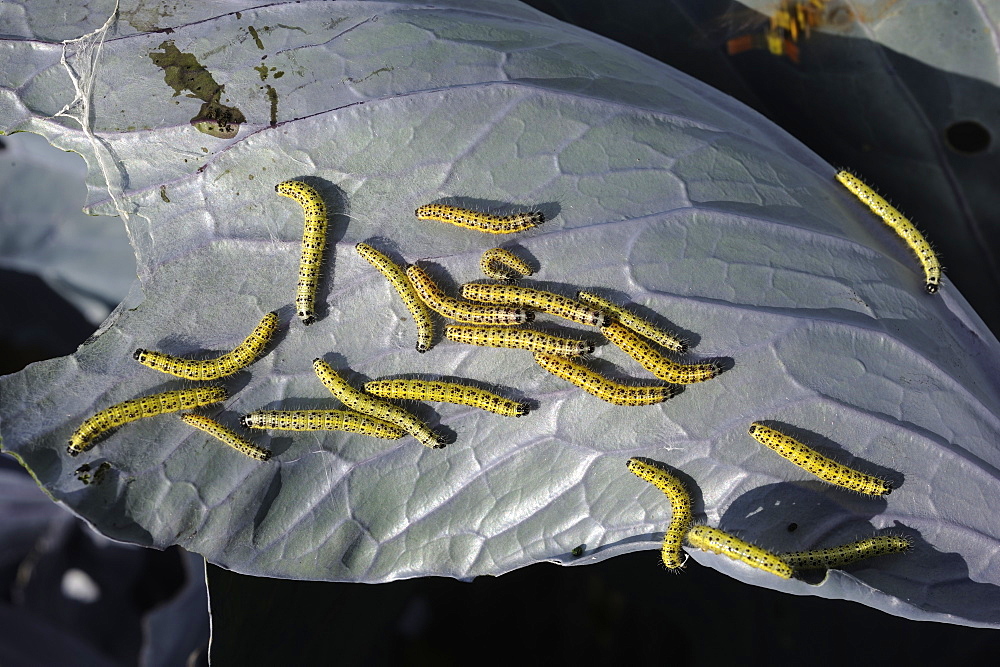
[481, 222]
[845, 554]
[397, 277]
[241, 356]
[137, 408]
[322, 420]
[639, 325]
[654, 362]
[463, 311]
[359, 401]
[535, 299]
[516, 338]
[226, 436]
[680, 504]
[313, 245]
[899, 223]
[717, 541]
[447, 392]
[823, 467]
[502, 264]
[604, 388]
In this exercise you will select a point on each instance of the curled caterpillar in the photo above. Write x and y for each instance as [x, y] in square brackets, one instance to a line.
[524, 339]
[481, 222]
[361, 402]
[146, 406]
[834, 557]
[667, 370]
[605, 389]
[241, 356]
[463, 311]
[401, 283]
[226, 436]
[900, 224]
[639, 325]
[313, 244]
[502, 264]
[680, 504]
[322, 420]
[720, 542]
[823, 467]
[536, 299]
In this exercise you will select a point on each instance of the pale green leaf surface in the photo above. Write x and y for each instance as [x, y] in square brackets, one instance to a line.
[657, 189]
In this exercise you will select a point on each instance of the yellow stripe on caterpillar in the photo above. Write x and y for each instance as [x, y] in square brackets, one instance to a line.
[240, 357]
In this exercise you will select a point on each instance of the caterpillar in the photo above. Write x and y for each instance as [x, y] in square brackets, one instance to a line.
[602, 387]
[361, 402]
[462, 311]
[226, 436]
[118, 414]
[834, 557]
[899, 224]
[669, 371]
[680, 504]
[812, 461]
[524, 339]
[313, 244]
[502, 264]
[639, 325]
[322, 420]
[447, 392]
[401, 283]
[711, 539]
[481, 222]
[241, 356]
[546, 302]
